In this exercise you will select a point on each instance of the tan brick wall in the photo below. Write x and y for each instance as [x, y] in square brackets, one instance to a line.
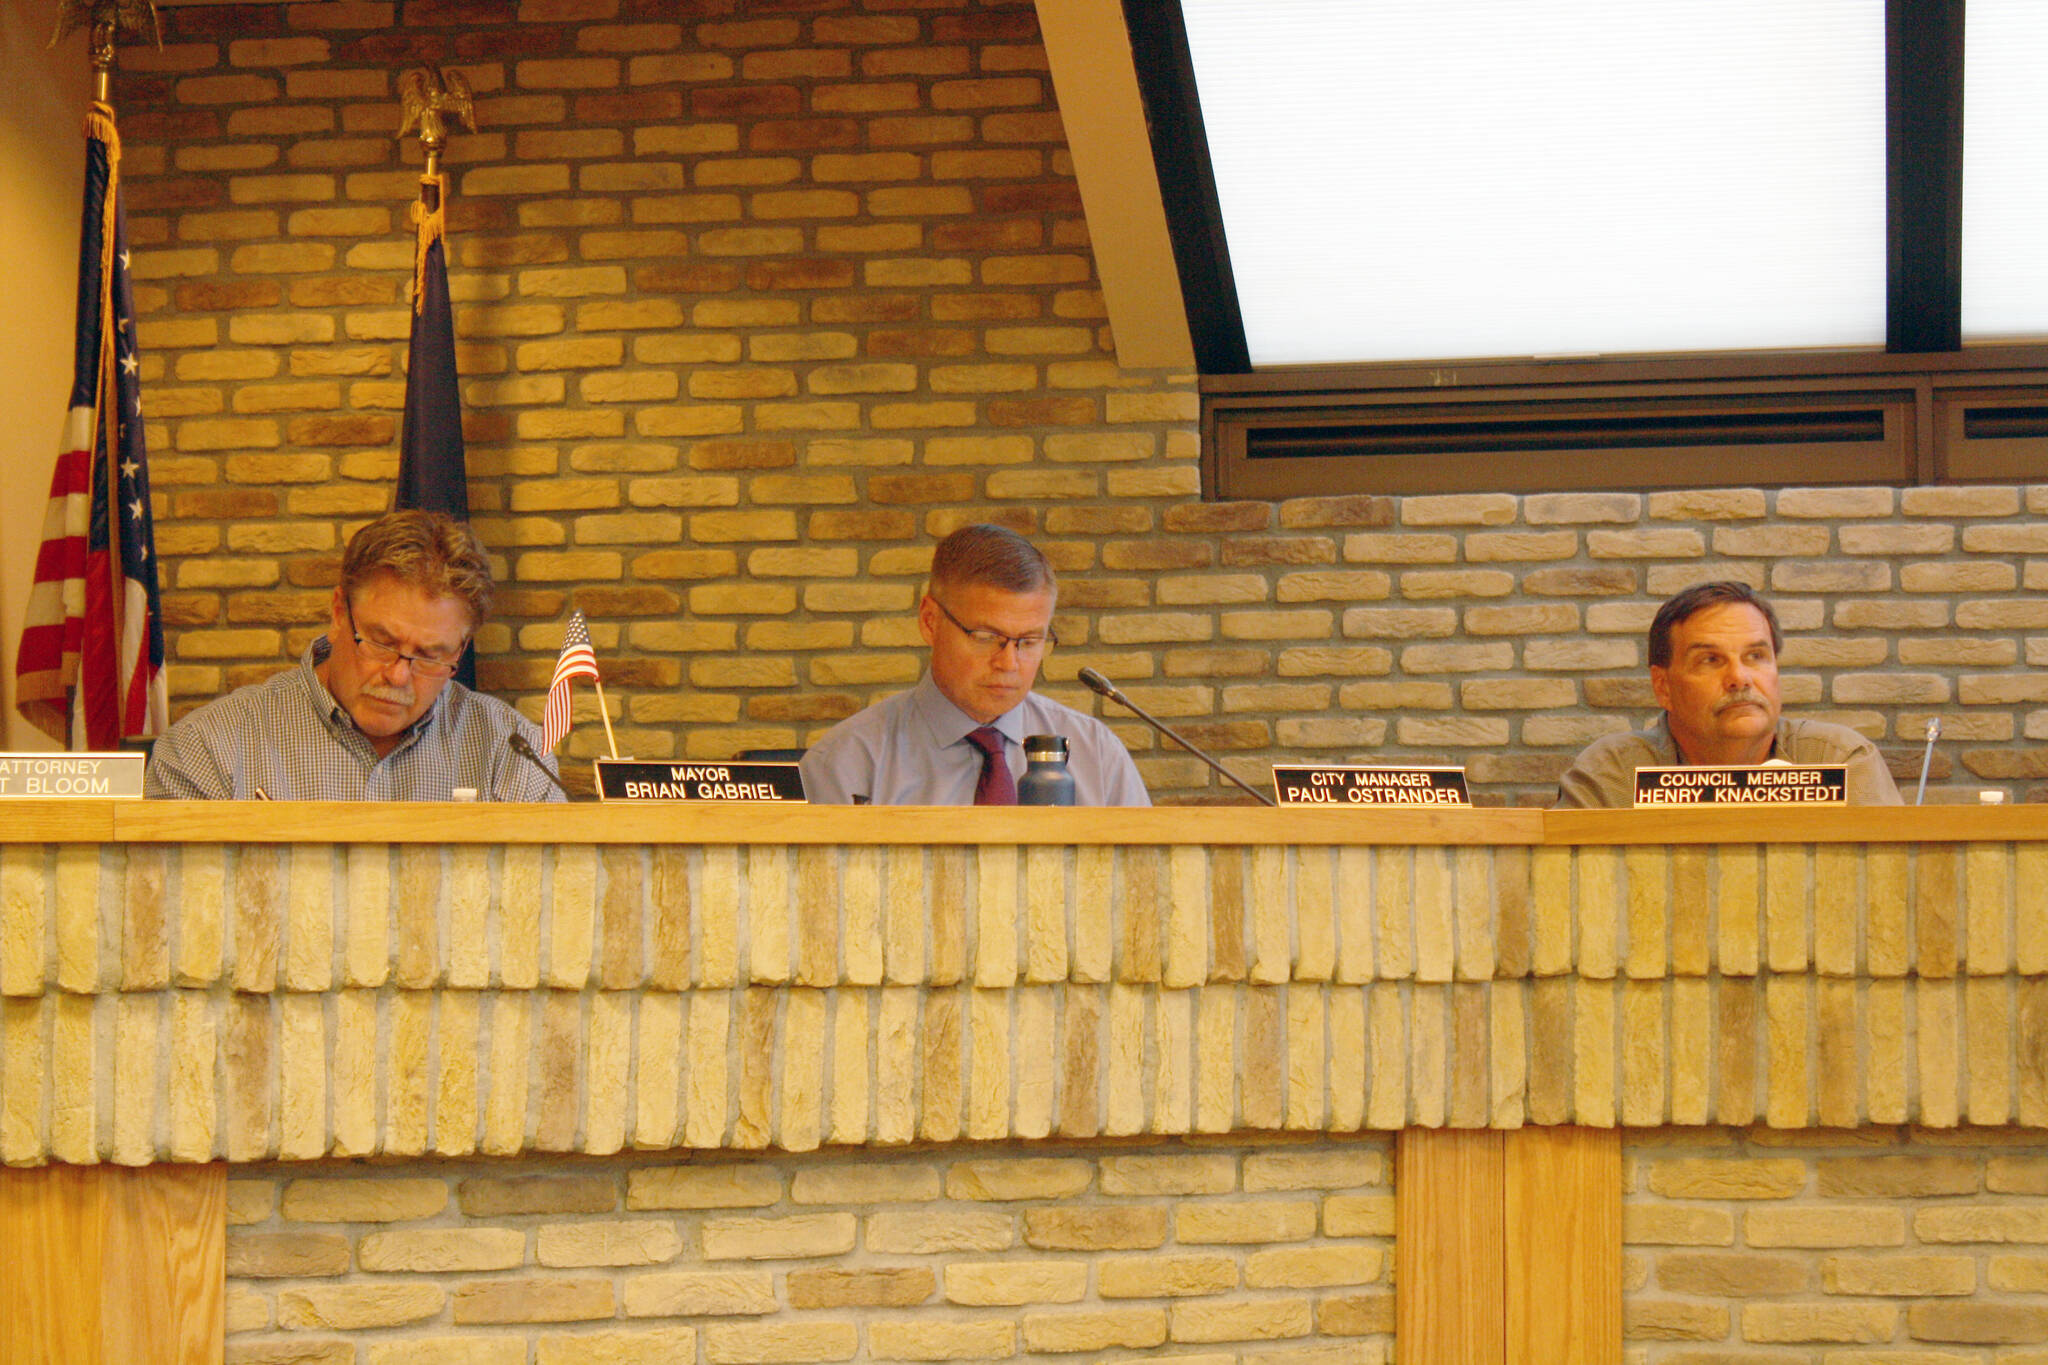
[1260, 1253]
[1742, 1247]
[316, 1003]
[1908, 1247]
[757, 300]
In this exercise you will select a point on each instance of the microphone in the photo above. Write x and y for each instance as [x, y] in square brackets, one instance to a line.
[1103, 687]
[524, 748]
[1927, 758]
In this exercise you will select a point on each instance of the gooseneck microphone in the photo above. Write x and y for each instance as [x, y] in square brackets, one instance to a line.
[1103, 687]
[524, 748]
[1927, 758]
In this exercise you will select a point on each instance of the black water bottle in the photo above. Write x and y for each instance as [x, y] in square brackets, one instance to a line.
[1046, 781]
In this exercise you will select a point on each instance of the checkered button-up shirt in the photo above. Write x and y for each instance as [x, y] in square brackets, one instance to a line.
[288, 736]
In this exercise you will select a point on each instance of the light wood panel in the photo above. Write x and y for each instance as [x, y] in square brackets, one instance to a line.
[106, 1265]
[52, 1226]
[1563, 1237]
[28, 822]
[1508, 1246]
[589, 823]
[1450, 1263]
[1787, 825]
[441, 822]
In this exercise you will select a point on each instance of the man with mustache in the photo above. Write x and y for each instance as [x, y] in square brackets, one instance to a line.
[370, 713]
[957, 738]
[1714, 669]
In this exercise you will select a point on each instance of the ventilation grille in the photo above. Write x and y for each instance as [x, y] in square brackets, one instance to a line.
[2004, 424]
[1277, 449]
[1364, 435]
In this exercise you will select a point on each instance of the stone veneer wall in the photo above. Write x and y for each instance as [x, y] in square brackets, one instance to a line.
[1743, 1247]
[1836, 1247]
[1218, 1253]
[260, 1001]
[756, 300]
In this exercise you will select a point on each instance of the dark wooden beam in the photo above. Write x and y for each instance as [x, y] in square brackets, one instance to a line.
[1187, 183]
[1923, 175]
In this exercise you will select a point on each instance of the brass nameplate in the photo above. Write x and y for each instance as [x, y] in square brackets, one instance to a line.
[79, 777]
[623, 779]
[1766, 784]
[1308, 784]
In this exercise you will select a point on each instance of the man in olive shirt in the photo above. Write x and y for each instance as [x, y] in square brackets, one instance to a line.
[1714, 669]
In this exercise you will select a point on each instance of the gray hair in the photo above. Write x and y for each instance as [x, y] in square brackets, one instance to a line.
[430, 551]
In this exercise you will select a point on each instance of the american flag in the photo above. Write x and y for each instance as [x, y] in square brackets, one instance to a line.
[576, 662]
[90, 670]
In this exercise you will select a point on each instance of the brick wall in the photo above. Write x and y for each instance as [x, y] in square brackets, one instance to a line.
[1743, 1247]
[757, 300]
[1845, 1248]
[1262, 1254]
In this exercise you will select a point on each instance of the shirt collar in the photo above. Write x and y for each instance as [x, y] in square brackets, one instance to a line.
[948, 724]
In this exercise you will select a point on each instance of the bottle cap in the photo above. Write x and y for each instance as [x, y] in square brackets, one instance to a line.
[1043, 747]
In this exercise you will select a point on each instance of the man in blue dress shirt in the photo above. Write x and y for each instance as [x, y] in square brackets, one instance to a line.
[957, 738]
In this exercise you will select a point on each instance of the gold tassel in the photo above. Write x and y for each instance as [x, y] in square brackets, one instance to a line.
[99, 124]
[430, 226]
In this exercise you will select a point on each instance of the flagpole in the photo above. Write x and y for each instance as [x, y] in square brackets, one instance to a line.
[100, 51]
[79, 677]
[605, 714]
[433, 475]
[427, 98]
[107, 397]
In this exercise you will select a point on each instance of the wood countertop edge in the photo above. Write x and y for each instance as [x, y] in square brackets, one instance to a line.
[57, 822]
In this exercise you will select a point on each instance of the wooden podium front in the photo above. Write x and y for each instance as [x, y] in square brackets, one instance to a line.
[187, 988]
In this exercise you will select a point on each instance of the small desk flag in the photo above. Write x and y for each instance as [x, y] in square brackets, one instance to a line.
[576, 662]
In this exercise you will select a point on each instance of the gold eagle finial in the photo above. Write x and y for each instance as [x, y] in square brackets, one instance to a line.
[124, 18]
[428, 98]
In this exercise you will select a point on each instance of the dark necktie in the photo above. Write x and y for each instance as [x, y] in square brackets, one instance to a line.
[995, 786]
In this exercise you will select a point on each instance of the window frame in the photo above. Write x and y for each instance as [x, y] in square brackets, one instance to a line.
[1918, 379]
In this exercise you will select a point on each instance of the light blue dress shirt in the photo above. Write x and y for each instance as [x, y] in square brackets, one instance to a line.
[912, 750]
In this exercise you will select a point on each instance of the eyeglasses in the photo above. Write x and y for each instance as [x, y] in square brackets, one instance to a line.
[992, 642]
[383, 656]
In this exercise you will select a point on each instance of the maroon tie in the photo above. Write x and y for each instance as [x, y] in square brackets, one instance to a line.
[995, 786]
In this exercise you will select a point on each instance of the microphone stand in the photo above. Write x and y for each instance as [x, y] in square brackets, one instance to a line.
[524, 748]
[1103, 687]
[1927, 758]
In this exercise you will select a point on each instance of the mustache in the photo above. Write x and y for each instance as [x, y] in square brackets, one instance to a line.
[397, 696]
[1739, 698]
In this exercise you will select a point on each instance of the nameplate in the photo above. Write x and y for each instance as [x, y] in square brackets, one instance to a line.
[77, 777]
[1769, 784]
[622, 779]
[1306, 784]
